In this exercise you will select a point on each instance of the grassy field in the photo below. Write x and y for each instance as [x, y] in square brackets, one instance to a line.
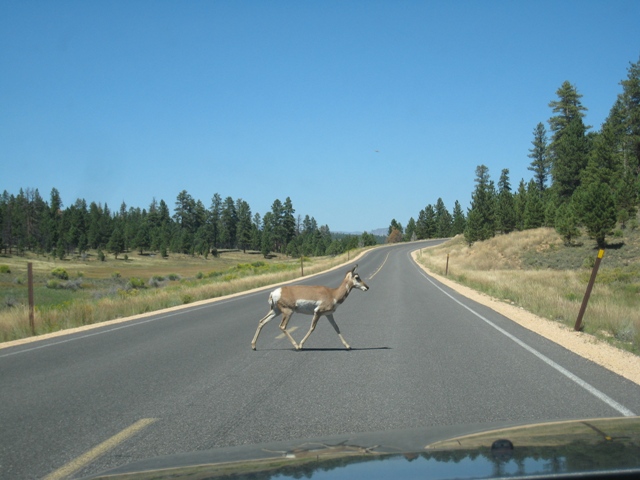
[535, 270]
[81, 291]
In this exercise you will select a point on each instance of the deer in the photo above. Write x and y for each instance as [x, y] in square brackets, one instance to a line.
[310, 300]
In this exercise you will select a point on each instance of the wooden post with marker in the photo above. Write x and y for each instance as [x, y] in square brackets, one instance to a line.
[587, 294]
[32, 324]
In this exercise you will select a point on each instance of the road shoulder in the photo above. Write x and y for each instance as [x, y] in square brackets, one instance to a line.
[623, 363]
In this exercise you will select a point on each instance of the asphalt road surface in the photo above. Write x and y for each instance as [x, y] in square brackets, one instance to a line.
[187, 380]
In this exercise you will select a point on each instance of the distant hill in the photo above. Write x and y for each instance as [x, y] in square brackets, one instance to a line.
[382, 232]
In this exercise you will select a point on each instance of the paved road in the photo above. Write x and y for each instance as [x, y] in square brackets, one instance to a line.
[188, 380]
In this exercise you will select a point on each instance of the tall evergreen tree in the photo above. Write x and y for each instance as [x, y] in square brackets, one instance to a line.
[288, 221]
[596, 209]
[630, 98]
[540, 162]
[267, 234]
[243, 233]
[229, 223]
[395, 225]
[410, 231]
[520, 204]
[570, 159]
[443, 220]
[215, 215]
[567, 108]
[534, 208]
[426, 225]
[481, 215]
[116, 242]
[569, 145]
[279, 233]
[459, 220]
[505, 208]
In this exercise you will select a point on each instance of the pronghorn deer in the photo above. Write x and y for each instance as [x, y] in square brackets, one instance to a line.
[310, 300]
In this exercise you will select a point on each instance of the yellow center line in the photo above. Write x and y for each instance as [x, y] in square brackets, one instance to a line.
[379, 268]
[85, 459]
[290, 330]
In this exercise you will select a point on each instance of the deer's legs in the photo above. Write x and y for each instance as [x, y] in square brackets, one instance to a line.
[314, 321]
[335, 327]
[283, 326]
[267, 318]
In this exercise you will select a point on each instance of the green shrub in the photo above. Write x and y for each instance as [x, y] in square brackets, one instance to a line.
[60, 273]
[5, 269]
[135, 282]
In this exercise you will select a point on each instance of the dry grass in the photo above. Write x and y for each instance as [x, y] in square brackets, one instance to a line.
[501, 267]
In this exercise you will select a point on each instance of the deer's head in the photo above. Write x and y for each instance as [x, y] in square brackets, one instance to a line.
[355, 281]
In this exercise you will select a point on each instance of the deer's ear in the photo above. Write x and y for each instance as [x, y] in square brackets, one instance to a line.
[354, 268]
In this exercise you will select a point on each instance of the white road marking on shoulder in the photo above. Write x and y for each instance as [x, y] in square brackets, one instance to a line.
[587, 386]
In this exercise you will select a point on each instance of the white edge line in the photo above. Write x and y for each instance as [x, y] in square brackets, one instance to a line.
[588, 387]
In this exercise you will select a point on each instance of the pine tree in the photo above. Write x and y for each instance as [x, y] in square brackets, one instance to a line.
[624, 122]
[630, 98]
[534, 208]
[567, 107]
[443, 220]
[596, 209]
[571, 152]
[288, 221]
[459, 221]
[229, 224]
[267, 234]
[116, 242]
[215, 213]
[520, 204]
[410, 231]
[426, 225]
[394, 225]
[540, 162]
[566, 223]
[568, 148]
[243, 233]
[481, 215]
[505, 208]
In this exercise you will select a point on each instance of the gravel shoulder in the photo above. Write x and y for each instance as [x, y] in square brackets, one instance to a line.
[618, 361]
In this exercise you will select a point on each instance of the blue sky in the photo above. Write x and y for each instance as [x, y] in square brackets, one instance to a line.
[360, 111]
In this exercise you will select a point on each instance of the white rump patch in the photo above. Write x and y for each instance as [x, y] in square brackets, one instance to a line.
[275, 295]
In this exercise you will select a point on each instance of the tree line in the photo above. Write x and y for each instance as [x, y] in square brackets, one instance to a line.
[581, 178]
[29, 223]
[434, 221]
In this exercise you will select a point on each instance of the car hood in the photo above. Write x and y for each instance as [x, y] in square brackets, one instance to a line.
[558, 449]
